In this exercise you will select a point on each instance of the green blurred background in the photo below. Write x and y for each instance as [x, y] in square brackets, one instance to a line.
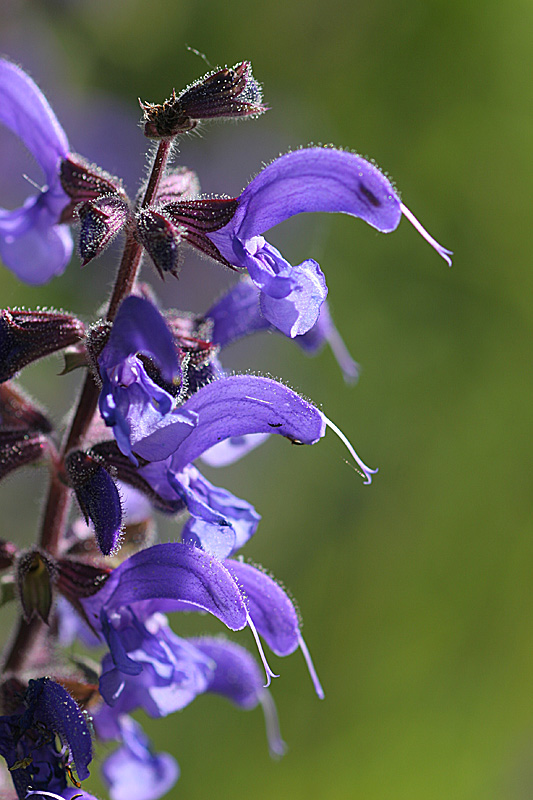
[416, 591]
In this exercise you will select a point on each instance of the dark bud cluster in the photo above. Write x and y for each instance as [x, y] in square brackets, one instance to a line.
[98, 497]
[163, 230]
[26, 336]
[98, 200]
[226, 93]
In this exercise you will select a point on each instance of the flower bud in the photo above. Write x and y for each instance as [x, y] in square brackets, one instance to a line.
[101, 220]
[36, 574]
[161, 239]
[227, 93]
[26, 336]
[109, 453]
[98, 497]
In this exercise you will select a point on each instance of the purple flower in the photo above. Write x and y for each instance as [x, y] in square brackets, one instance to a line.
[229, 407]
[27, 739]
[238, 314]
[149, 666]
[134, 771]
[32, 243]
[312, 179]
[131, 402]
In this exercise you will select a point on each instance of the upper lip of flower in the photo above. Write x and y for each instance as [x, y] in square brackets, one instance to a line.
[32, 244]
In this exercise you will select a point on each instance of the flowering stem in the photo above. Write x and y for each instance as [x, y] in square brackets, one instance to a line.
[59, 495]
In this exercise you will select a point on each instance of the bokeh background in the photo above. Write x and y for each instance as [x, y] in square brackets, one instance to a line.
[416, 592]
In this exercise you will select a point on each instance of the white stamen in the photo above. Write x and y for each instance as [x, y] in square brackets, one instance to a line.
[42, 189]
[269, 673]
[311, 667]
[366, 470]
[276, 745]
[433, 242]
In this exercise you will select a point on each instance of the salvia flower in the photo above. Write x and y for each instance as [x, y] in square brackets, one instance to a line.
[32, 243]
[130, 401]
[27, 738]
[311, 179]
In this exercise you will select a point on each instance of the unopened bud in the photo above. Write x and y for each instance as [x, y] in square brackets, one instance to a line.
[98, 497]
[161, 240]
[26, 336]
[101, 220]
[109, 453]
[36, 573]
[227, 93]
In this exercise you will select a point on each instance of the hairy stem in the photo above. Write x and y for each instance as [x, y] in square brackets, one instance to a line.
[57, 505]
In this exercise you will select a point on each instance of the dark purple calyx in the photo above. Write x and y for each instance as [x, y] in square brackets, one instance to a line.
[101, 220]
[85, 182]
[163, 230]
[180, 183]
[226, 93]
[26, 336]
[98, 497]
[161, 239]
[18, 448]
[18, 412]
[77, 579]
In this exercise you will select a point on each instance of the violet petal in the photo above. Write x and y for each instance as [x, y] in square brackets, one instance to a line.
[243, 404]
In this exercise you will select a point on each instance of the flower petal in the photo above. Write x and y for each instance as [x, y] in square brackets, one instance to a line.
[313, 179]
[31, 242]
[54, 708]
[243, 404]
[140, 328]
[134, 771]
[176, 572]
[26, 111]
